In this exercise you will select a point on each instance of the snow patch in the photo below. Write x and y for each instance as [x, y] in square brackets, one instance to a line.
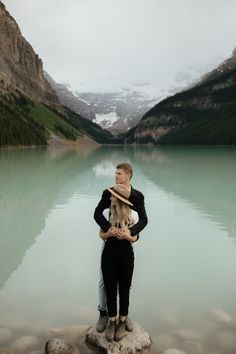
[107, 119]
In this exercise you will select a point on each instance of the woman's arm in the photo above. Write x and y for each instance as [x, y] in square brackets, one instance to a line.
[112, 232]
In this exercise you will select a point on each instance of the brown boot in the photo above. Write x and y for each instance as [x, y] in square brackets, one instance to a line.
[120, 331]
[110, 331]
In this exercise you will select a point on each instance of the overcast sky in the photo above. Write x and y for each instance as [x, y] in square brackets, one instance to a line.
[107, 44]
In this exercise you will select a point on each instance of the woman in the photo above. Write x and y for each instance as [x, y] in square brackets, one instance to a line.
[118, 259]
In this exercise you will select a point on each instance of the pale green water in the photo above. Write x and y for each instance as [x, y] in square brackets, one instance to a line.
[50, 250]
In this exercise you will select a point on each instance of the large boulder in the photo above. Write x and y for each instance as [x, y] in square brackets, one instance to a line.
[137, 341]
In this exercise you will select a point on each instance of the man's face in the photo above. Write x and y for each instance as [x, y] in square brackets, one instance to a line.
[121, 176]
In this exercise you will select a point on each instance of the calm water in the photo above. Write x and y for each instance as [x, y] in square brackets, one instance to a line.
[50, 250]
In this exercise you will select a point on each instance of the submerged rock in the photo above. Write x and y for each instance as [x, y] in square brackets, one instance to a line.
[163, 342]
[187, 334]
[220, 316]
[226, 341]
[59, 346]
[173, 351]
[5, 351]
[134, 342]
[5, 335]
[25, 344]
[69, 334]
[193, 347]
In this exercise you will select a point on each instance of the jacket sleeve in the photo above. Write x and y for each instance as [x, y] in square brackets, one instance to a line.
[143, 220]
[98, 213]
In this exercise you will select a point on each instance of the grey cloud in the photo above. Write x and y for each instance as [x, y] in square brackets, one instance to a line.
[110, 43]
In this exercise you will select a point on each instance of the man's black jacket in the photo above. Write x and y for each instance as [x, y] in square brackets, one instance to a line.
[136, 198]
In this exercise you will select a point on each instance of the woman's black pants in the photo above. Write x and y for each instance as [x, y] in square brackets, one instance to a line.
[117, 269]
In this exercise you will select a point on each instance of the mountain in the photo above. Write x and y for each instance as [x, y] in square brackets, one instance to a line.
[20, 67]
[117, 111]
[68, 99]
[26, 122]
[30, 112]
[203, 114]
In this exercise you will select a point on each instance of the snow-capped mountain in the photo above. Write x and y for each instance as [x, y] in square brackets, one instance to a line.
[123, 108]
[118, 111]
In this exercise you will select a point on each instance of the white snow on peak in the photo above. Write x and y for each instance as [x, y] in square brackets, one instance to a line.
[106, 120]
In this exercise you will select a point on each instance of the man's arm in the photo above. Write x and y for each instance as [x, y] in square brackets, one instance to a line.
[104, 203]
[143, 220]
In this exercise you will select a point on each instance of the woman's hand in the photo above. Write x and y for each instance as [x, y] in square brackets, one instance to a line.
[113, 231]
[124, 234]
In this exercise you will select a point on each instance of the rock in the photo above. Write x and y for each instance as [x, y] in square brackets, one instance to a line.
[209, 326]
[192, 347]
[59, 346]
[186, 334]
[173, 351]
[24, 344]
[163, 342]
[135, 342]
[226, 341]
[220, 316]
[5, 351]
[5, 335]
[69, 334]
[170, 321]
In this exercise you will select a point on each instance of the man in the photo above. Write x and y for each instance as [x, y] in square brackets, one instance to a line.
[123, 175]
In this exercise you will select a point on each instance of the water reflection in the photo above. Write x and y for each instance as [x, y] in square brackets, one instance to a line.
[34, 182]
[205, 177]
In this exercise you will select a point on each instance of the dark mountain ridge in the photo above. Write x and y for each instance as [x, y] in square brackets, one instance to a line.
[203, 114]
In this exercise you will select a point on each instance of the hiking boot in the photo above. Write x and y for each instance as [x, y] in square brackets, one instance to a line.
[120, 331]
[110, 331]
[102, 321]
[129, 325]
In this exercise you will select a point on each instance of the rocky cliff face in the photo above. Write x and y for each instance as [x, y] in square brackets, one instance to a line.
[68, 99]
[194, 115]
[20, 67]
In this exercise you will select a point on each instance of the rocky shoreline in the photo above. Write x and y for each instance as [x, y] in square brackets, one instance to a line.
[216, 335]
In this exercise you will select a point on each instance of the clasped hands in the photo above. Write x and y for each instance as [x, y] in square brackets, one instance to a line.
[120, 234]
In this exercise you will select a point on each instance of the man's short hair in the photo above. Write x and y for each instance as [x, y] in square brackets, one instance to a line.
[126, 167]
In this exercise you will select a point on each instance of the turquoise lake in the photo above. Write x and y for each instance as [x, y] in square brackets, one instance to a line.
[185, 259]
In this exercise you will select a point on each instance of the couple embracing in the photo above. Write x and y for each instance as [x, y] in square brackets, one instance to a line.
[121, 216]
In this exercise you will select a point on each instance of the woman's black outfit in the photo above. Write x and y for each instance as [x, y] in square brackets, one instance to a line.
[117, 269]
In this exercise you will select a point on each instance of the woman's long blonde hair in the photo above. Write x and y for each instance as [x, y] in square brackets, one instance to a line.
[120, 215]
